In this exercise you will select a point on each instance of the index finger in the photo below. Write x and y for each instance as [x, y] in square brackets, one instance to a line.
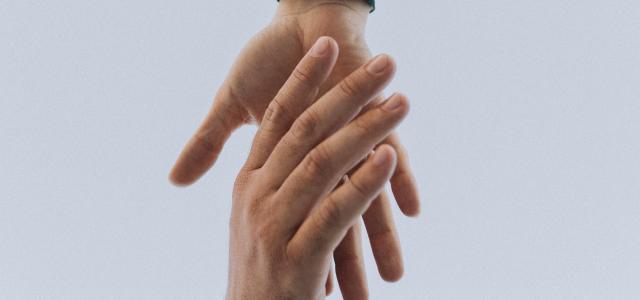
[298, 92]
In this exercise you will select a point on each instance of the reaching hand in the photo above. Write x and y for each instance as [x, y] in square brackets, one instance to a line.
[292, 204]
[259, 72]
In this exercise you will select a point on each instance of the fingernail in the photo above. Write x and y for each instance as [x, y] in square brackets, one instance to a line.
[393, 103]
[321, 47]
[380, 158]
[378, 65]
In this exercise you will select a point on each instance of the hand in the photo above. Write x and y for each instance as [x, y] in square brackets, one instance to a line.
[260, 71]
[288, 216]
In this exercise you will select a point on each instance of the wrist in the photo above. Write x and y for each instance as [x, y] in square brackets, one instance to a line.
[344, 20]
[302, 6]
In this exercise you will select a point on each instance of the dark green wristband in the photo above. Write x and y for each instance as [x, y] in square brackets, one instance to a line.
[372, 3]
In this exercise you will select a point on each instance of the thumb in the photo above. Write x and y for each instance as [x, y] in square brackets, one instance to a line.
[205, 145]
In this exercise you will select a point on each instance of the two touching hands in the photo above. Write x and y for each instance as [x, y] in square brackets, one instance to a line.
[290, 208]
[287, 219]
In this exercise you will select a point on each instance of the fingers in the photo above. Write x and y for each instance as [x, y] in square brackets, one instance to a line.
[326, 226]
[403, 184]
[350, 271]
[298, 92]
[323, 166]
[384, 238]
[335, 109]
[203, 148]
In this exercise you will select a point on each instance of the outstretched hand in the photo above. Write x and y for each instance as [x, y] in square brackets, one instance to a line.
[292, 204]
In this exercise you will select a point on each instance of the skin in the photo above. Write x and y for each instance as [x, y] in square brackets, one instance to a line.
[259, 72]
[293, 208]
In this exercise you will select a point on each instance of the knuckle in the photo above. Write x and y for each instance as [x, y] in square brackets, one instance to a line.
[306, 126]
[302, 75]
[290, 143]
[346, 256]
[363, 127]
[360, 189]
[318, 162]
[329, 216]
[381, 234]
[271, 112]
[276, 112]
[349, 86]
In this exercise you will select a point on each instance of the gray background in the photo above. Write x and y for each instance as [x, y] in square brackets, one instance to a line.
[523, 135]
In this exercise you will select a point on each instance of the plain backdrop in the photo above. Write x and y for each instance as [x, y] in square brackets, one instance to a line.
[524, 137]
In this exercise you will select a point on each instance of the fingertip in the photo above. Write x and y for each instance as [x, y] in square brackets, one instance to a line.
[186, 170]
[403, 183]
[384, 156]
[197, 157]
[393, 274]
[391, 61]
[177, 179]
[405, 191]
[388, 256]
[397, 103]
[413, 211]
[324, 46]
[320, 48]
[333, 44]
[391, 266]
[405, 99]
[381, 66]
